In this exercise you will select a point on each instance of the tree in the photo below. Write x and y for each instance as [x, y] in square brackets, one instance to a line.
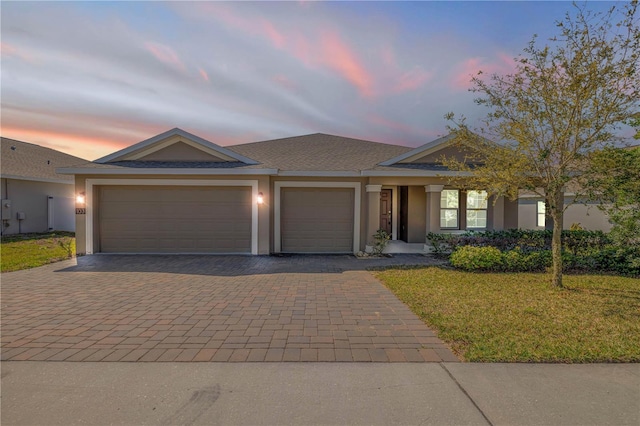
[563, 100]
[635, 122]
[614, 181]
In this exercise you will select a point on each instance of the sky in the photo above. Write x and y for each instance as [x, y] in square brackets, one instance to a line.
[90, 78]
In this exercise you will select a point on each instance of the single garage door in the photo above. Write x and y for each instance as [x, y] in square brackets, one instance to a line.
[174, 219]
[317, 220]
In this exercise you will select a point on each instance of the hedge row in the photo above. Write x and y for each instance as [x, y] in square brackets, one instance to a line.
[530, 251]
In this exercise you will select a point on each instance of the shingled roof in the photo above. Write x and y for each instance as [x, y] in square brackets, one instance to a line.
[27, 161]
[319, 152]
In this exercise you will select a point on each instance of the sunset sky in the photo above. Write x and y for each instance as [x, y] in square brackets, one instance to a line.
[89, 78]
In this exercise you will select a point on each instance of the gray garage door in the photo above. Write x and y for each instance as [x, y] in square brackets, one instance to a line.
[174, 219]
[317, 220]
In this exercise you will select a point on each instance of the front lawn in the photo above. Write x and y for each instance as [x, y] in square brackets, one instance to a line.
[25, 251]
[519, 317]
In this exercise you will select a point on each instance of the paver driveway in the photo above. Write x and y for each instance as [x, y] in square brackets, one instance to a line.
[211, 308]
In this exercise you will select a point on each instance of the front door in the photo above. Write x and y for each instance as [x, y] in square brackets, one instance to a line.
[385, 210]
[403, 218]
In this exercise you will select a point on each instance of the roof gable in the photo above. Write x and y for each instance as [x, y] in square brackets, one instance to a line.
[176, 142]
[427, 153]
[178, 151]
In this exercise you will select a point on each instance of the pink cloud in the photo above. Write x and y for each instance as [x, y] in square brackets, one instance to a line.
[270, 31]
[164, 54]
[502, 64]
[339, 57]
[412, 80]
[203, 74]
[388, 57]
[398, 80]
[397, 126]
[8, 50]
[284, 81]
[328, 50]
[301, 49]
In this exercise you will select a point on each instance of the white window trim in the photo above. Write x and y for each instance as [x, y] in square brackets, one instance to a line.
[538, 213]
[458, 209]
[467, 209]
[90, 183]
[277, 235]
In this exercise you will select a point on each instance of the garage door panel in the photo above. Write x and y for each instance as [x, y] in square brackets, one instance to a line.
[175, 219]
[317, 220]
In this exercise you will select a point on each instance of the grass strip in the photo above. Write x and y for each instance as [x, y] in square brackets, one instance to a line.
[26, 251]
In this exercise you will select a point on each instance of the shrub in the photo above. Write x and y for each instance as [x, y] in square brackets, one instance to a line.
[530, 250]
[472, 258]
[518, 261]
[440, 243]
[624, 261]
[381, 238]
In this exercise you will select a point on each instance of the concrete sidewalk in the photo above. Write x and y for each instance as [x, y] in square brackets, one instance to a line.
[38, 393]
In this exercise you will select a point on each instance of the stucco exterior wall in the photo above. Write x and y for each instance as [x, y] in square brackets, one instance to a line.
[589, 216]
[32, 199]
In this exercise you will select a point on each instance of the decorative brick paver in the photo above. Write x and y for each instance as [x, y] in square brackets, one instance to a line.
[212, 309]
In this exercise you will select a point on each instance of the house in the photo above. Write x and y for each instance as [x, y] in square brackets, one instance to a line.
[35, 198]
[587, 214]
[531, 214]
[318, 193]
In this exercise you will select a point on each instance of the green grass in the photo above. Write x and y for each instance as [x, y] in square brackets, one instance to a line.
[519, 317]
[25, 251]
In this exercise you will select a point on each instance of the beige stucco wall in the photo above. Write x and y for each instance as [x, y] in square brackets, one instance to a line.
[180, 151]
[31, 198]
[589, 216]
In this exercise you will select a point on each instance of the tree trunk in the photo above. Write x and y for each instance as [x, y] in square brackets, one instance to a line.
[557, 213]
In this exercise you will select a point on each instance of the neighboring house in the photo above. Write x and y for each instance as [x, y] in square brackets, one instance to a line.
[178, 193]
[34, 197]
[531, 214]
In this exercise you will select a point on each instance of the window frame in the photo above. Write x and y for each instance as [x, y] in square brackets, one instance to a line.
[541, 209]
[456, 209]
[477, 209]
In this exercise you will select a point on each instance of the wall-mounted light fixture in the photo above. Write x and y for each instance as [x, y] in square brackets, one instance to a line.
[260, 198]
[80, 198]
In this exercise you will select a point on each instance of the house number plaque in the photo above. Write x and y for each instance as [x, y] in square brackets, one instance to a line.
[81, 211]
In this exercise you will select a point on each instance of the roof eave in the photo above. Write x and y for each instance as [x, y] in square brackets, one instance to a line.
[37, 179]
[166, 171]
[416, 173]
[320, 173]
[173, 132]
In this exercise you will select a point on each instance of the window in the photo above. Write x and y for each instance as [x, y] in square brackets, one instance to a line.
[541, 209]
[476, 209]
[449, 205]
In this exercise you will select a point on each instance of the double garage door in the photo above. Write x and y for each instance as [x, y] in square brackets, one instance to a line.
[205, 219]
[174, 219]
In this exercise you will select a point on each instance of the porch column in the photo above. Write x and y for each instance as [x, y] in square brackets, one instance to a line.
[373, 207]
[433, 207]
